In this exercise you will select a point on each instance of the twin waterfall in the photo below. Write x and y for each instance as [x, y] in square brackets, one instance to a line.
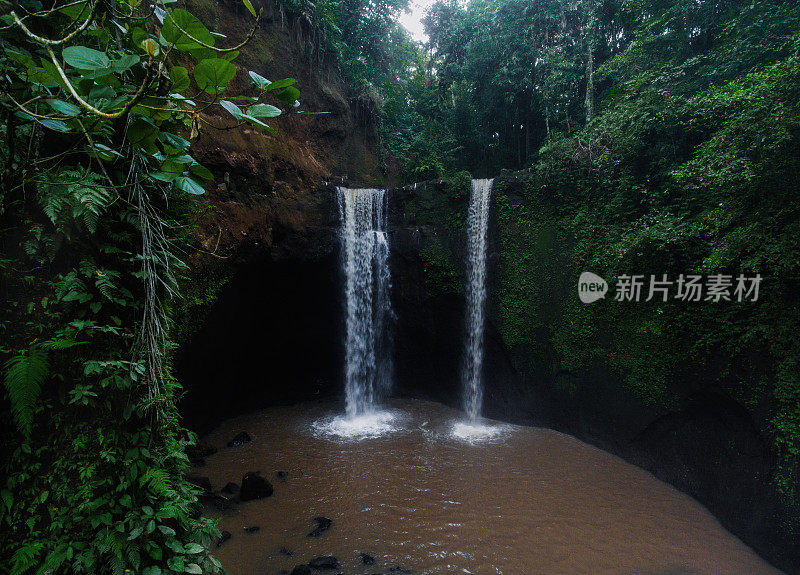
[365, 261]
[477, 224]
[368, 363]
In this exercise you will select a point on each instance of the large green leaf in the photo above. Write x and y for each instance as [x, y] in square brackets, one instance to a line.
[180, 78]
[174, 140]
[282, 84]
[142, 132]
[235, 111]
[62, 107]
[194, 28]
[213, 74]
[84, 58]
[263, 111]
[259, 80]
[201, 171]
[289, 95]
[56, 125]
[256, 122]
[124, 63]
[189, 185]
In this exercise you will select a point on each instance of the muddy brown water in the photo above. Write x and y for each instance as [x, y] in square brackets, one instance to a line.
[528, 501]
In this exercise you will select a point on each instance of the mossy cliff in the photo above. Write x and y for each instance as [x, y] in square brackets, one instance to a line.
[696, 392]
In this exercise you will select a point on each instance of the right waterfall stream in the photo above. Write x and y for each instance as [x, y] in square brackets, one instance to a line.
[477, 225]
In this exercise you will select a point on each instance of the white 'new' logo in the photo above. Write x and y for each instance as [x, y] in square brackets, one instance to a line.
[591, 287]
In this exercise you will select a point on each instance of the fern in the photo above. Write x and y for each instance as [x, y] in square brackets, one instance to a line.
[25, 558]
[75, 195]
[59, 344]
[159, 481]
[106, 284]
[24, 375]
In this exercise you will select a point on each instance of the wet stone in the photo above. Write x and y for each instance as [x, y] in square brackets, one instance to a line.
[366, 558]
[240, 439]
[324, 562]
[224, 536]
[322, 524]
[230, 488]
[254, 487]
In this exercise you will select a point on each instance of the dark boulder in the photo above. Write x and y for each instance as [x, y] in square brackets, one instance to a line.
[200, 481]
[324, 562]
[301, 570]
[322, 525]
[254, 487]
[230, 488]
[224, 536]
[252, 529]
[286, 552]
[240, 439]
[282, 475]
[199, 451]
[366, 558]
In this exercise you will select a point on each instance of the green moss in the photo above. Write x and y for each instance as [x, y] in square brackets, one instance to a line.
[441, 275]
[200, 290]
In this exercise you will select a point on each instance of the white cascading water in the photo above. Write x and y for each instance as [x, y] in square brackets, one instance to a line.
[365, 247]
[477, 224]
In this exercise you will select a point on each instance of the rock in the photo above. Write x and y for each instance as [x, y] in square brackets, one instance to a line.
[240, 439]
[252, 529]
[322, 525]
[254, 487]
[224, 536]
[324, 562]
[282, 475]
[286, 552]
[366, 558]
[398, 569]
[230, 488]
[199, 451]
[200, 481]
[301, 570]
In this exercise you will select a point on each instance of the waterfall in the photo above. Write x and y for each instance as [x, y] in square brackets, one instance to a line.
[365, 261]
[477, 225]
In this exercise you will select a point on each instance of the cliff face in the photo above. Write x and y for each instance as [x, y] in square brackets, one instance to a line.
[264, 188]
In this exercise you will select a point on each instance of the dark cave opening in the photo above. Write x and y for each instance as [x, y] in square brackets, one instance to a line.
[274, 336]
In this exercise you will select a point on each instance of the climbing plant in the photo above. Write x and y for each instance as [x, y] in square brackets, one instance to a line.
[100, 103]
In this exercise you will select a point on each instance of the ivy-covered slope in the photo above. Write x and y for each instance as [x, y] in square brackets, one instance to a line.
[117, 119]
[705, 394]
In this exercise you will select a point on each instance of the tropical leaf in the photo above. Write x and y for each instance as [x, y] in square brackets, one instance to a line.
[85, 58]
[213, 74]
[24, 375]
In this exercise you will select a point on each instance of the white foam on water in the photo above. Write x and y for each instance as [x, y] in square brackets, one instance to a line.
[473, 431]
[367, 425]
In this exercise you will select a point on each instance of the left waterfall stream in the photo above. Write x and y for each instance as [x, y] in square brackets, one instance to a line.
[368, 314]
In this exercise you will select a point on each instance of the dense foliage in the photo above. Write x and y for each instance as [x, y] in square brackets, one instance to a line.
[100, 101]
[654, 137]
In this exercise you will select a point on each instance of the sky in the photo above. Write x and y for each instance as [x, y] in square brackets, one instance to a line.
[411, 21]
